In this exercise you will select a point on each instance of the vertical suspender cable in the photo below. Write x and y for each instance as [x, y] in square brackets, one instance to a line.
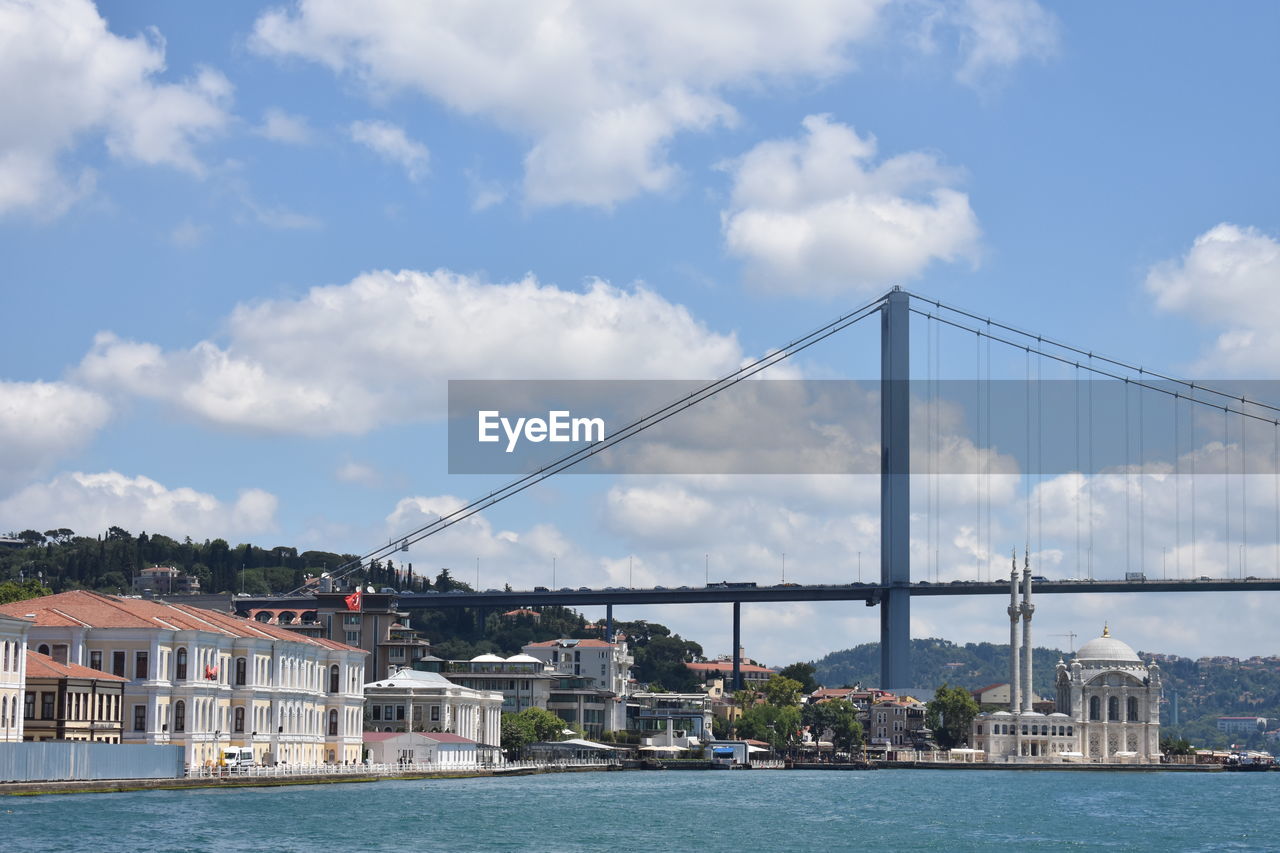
[1079, 472]
[1128, 485]
[1142, 479]
[1177, 487]
[1226, 484]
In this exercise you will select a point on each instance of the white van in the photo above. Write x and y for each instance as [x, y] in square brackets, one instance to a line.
[237, 757]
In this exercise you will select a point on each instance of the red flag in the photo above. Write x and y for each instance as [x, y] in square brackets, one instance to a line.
[211, 673]
[353, 600]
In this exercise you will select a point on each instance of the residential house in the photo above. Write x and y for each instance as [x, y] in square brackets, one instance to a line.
[66, 701]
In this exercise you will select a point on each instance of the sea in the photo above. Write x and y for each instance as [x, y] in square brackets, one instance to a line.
[707, 812]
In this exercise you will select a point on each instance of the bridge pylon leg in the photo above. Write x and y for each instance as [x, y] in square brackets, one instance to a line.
[895, 492]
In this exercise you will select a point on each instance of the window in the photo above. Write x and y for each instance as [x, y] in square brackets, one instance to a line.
[139, 718]
[353, 638]
[399, 712]
[377, 712]
[29, 707]
[95, 661]
[43, 649]
[388, 712]
[396, 653]
[333, 723]
[333, 678]
[351, 619]
[60, 652]
[46, 705]
[1133, 709]
[117, 664]
[242, 668]
[140, 666]
[1095, 708]
[238, 724]
[435, 713]
[180, 716]
[181, 667]
[1113, 708]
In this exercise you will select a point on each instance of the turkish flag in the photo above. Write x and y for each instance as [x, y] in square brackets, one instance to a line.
[353, 600]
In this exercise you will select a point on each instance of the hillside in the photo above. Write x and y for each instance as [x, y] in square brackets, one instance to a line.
[1202, 689]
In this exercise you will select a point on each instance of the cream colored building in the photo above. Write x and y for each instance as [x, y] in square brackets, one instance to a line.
[13, 666]
[411, 700]
[209, 680]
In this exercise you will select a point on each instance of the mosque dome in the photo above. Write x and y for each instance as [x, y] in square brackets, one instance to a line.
[1107, 648]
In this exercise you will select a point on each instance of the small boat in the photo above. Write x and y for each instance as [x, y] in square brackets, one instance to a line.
[1245, 762]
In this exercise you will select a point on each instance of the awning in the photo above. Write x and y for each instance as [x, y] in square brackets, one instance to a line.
[661, 749]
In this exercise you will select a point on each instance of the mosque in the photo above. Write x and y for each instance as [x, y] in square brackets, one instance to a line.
[1107, 706]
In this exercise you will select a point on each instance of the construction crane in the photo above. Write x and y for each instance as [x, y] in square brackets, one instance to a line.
[1072, 635]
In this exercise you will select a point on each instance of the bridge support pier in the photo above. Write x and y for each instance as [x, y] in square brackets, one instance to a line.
[608, 624]
[737, 645]
[895, 493]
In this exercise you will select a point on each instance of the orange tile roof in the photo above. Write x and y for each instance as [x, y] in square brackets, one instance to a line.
[725, 666]
[43, 666]
[81, 608]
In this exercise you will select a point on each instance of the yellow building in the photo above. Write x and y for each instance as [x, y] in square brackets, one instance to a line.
[209, 680]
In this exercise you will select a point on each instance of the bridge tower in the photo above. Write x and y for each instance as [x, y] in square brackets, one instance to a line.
[895, 494]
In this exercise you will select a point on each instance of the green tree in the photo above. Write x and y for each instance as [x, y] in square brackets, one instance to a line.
[782, 691]
[15, 591]
[546, 726]
[803, 673]
[517, 733]
[949, 715]
[837, 716]
[779, 725]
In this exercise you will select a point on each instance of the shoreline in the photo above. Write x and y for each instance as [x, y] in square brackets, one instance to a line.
[120, 786]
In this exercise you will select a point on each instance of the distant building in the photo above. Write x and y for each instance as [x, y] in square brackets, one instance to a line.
[447, 751]
[690, 713]
[896, 723]
[13, 667]
[1242, 725]
[753, 675]
[523, 680]
[165, 580]
[66, 701]
[512, 615]
[591, 679]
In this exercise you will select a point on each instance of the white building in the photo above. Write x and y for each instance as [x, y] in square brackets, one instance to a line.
[13, 667]
[605, 667]
[207, 680]
[1107, 705]
[446, 751]
[523, 681]
[411, 700]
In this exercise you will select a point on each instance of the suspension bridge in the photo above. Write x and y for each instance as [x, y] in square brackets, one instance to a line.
[1154, 428]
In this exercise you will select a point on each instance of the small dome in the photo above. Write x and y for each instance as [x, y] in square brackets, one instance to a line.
[1107, 648]
[487, 658]
[523, 659]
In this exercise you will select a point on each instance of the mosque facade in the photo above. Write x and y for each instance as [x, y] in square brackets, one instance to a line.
[1107, 704]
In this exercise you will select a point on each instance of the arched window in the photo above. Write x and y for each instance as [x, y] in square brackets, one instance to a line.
[1113, 708]
[239, 719]
[1095, 708]
[333, 723]
[242, 669]
[1133, 709]
[180, 716]
[181, 664]
[333, 678]
[43, 649]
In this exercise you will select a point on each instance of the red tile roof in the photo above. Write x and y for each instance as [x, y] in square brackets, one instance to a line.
[81, 608]
[43, 666]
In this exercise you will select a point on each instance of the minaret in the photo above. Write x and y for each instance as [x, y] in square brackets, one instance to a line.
[1015, 670]
[1027, 609]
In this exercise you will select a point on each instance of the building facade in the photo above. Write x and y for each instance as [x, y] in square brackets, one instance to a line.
[583, 668]
[411, 700]
[66, 701]
[523, 680]
[207, 680]
[13, 668]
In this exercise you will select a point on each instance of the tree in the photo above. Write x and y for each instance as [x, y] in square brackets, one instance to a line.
[546, 726]
[782, 691]
[803, 673]
[837, 716]
[517, 733]
[950, 714]
[779, 725]
[14, 591]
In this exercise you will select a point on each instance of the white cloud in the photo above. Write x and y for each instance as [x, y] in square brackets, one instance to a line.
[817, 214]
[1228, 279]
[997, 34]
[348, 358]
[280, 126]
[64, 77]
[600, 89]
[42, 422]
[94, 502]
[390, 143]
[358, 473]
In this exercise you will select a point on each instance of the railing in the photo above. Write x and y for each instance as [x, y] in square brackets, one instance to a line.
[395, 769]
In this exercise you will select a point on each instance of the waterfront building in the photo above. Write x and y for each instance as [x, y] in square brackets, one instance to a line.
[13, 667]
[690, 713]
[446, 751]
[1242, 725]
[591, 681]
[411, 700]
[523, 680]
[372, 621]
[1107, 707]
[895, 722]
[754, 676]
[66, 701]
[207, 680]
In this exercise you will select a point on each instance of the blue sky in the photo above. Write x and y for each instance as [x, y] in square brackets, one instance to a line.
[245, 247]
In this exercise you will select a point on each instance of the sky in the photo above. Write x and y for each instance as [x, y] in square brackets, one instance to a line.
[245, 247]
